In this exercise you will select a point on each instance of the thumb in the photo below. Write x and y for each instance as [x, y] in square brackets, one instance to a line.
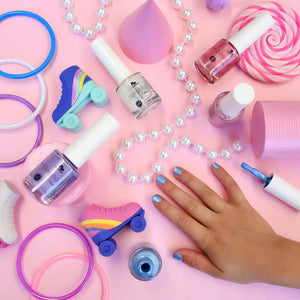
[197, 260]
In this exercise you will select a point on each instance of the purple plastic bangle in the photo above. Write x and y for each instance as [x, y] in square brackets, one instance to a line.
[28, 239]
[39, 124]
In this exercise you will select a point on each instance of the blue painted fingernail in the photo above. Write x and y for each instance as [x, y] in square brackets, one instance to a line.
[156, 198]
[161, 179]
[177, 256]
[215, 165]
[177, 171]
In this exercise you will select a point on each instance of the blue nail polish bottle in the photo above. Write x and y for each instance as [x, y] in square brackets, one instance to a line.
[145, 263]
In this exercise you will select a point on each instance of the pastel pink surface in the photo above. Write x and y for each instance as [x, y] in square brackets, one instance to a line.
[73, 193]
[275, 129]
[145, 35]
[24, 38]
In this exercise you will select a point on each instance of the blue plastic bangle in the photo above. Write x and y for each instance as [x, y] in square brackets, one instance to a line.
[52, 37]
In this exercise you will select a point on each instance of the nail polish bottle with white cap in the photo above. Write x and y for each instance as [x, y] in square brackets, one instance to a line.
[225, 54]
[229, 107]
[59, 170]
[135, 91]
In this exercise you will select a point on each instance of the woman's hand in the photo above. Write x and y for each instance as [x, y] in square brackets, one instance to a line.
[235, 242]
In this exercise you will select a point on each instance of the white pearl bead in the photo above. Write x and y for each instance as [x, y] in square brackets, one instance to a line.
[89, 33]
[154, 134]
[146, 177]
[186, 141]
[173, 144]
[127, 143]
[168, 129]
[181, 74]
[76, 28]
[67, 3]
[190, 86]
[99, 26]
[132, 178]
[195, 98]
[139, 137]
[191, 111]
[106, 2]
[178, 49]
[101, 12]
[118, 155]
[211, 154]
[177, 4]
[164, 154]
[188, 38]
[192, 26]
[180, 121]
[198, 148]
[186, 14]
[120, 169]
[225, 153]
[237, 146]
[176, 62]
[157, 167]
[69, 16]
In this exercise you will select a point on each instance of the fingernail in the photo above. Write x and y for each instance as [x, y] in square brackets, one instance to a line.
[215, 165]
[177, 256]
[161, 179]
[177, 171]
[156, 198]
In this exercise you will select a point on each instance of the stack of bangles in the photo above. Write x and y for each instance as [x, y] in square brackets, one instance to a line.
[90, 258]
[32, 71]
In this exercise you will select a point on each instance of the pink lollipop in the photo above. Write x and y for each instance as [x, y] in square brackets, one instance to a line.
[275, 57]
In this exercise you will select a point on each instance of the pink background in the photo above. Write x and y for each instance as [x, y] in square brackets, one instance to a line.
[25, 39]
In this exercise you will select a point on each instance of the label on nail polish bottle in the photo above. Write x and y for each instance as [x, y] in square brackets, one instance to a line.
[51, 177]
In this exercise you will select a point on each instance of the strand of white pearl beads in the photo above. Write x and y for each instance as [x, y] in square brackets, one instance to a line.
[180, 121]
[77, 28]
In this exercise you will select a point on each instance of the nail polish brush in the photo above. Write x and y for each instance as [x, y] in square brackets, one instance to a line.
[277, 186]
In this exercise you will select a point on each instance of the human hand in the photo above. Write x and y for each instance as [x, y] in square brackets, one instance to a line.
[235, 242]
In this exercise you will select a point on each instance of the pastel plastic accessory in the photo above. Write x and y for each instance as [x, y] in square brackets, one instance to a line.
[275, 57]
[51, 261]
[145, 36]
[29, 238]
[78, 89]
[39, 135]
[275, 129]
[102, 223]
[8, 199]
[217, 4]
[52, 48]
[42, 97]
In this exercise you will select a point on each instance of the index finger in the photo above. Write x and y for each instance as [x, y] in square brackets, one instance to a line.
[186, 223]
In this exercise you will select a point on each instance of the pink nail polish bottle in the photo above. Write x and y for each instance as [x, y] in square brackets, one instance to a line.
[225, 54]
[229, 107]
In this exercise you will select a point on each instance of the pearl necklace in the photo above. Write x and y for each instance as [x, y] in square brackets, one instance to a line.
[77, 27]
[169, 128]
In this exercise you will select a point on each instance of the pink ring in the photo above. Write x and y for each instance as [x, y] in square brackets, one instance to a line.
[50, 261]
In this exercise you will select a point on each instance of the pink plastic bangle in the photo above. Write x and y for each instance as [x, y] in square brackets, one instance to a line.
[51, 261]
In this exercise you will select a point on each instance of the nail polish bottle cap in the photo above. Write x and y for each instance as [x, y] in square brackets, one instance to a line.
[232, 104]
[91, 140]
[110, 60]
[244, 38]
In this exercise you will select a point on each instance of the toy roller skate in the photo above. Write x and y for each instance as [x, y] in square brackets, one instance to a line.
[8, 199]
[78, 89]
[101, 223]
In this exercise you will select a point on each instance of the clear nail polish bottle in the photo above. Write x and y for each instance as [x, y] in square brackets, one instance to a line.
[229, 107]
[135, 91]
[59, 170]
[225, 54]
[145, 263]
